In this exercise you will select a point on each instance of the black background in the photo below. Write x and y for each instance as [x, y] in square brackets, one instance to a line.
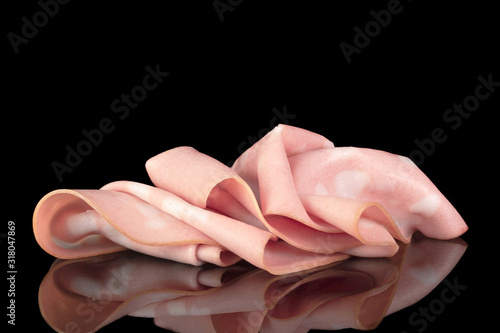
[226, 77]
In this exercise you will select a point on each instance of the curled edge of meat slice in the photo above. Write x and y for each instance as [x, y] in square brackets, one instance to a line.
[81, 223]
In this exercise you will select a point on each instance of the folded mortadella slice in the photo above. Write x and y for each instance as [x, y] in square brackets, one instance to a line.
[205, 182]
[321, 190]
[394, 182]
[313, 223]
[215, 186]
[81, 223]
[259, 247]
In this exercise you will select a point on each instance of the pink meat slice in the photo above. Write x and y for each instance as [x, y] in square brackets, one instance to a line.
[82, 223]
[373, 176]
[320, 191]
[306, 221]
[222, 189]
[259, 247]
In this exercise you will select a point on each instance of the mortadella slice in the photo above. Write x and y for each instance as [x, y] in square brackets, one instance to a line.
[217, 187]
[317, 224]
[393, 181]
[372, 195]
[259, 247]
[81, 223]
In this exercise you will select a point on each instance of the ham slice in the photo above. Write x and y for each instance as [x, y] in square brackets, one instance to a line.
[291, 202]
[358, 293]
[392, 181]
[372, 195]
[91, 222]
[261, 248]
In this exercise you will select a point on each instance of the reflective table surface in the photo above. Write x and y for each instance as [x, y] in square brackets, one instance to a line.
[97, 293]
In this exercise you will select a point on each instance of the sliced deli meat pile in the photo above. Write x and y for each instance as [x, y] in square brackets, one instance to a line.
[291, 202]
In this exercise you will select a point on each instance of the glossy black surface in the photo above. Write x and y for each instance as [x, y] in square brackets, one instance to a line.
[89, 294]
[227, 82]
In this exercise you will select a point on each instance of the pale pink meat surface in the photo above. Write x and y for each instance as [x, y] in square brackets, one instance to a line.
[291, 202]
